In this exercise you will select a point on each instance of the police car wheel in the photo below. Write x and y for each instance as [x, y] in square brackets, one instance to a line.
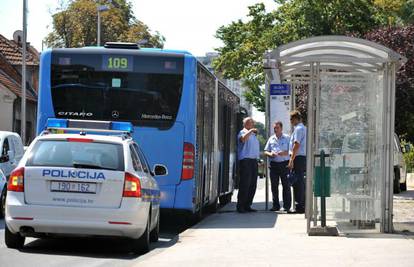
[155, 233]
[142, 244]
[3, 202]
[13, 240]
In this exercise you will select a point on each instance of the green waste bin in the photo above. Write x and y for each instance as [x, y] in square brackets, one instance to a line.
[320, 181]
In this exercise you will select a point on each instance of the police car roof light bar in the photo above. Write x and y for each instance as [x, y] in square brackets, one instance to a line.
[57, 123]
[73, 126]
[122, 126]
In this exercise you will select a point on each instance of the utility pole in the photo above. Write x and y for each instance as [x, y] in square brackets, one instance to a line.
[23, 98]
[100, 9]
[98, 42]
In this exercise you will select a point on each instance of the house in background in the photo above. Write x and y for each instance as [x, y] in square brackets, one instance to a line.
[10, 85]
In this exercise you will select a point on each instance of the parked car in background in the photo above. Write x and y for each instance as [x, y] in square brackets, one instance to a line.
[3, 191]
[11, 151]
[354, 149]
[400, 168]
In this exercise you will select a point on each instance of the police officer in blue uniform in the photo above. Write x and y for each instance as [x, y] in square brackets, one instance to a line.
[297, 161]
[277, 148]
[248, 153]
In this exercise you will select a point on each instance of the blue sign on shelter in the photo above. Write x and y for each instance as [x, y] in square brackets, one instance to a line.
[280, 89]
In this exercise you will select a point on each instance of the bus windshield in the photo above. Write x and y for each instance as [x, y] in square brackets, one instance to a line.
[83, 89]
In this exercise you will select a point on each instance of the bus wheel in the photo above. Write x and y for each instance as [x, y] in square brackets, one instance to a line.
[213, 207]
[194, 218]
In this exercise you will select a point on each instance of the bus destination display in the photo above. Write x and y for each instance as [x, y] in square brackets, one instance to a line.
[117, 63]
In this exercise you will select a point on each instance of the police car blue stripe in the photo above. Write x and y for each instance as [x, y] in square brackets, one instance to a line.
[150, 195]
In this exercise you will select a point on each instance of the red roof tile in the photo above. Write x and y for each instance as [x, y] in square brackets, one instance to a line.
[13, 52]
[13, 86]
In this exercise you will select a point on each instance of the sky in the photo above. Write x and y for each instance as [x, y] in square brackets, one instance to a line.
[186, 24]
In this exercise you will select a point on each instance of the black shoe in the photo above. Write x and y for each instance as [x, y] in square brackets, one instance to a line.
[250, 210]
[274, 209]
[291, 212]
[299, 211]
[241, 210]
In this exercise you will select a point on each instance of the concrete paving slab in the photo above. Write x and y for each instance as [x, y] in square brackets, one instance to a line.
[404, 211]
[266, 238]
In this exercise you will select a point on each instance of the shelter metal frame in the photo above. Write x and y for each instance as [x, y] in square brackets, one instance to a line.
[301, 63]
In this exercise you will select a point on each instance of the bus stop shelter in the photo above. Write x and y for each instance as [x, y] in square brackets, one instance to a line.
[350, 85]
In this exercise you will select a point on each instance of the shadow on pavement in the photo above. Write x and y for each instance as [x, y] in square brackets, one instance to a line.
[92, 247]
[227, 217]
[111, 248]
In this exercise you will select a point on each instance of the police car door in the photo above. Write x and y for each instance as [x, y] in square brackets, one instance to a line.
[149, 183]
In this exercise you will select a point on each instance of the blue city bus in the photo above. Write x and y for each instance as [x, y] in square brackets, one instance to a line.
[183, 116]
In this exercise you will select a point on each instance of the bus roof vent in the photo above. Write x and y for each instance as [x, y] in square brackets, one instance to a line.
[121, 45]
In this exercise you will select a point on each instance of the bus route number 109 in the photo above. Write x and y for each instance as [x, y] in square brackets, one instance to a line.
[119, 63]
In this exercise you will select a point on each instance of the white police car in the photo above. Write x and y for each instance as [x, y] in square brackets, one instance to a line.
[84, 184]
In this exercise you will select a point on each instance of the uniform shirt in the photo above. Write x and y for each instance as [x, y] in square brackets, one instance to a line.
[250, 148]
[275, 144]
[299, 136]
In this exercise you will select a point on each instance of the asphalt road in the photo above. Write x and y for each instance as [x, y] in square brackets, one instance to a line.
[112, 252]
[81, 251]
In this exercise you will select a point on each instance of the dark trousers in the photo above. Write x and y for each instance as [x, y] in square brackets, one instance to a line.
[279, 170]
[247, 184]
[299, 167]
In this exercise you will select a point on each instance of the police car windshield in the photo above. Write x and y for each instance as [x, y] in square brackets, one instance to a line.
[60, 153]
[146, 94]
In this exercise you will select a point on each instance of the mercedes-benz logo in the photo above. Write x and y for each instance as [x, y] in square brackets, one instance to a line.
[115, 114]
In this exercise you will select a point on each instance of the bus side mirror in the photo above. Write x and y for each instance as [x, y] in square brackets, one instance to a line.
[160, 170]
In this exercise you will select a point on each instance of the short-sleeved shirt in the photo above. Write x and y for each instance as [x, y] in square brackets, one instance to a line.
[250, 148]
[275, 144]
[299, 136]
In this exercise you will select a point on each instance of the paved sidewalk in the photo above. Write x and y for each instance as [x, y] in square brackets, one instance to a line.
[269, 239]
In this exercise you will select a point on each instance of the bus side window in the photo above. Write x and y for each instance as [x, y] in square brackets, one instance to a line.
[135, 160]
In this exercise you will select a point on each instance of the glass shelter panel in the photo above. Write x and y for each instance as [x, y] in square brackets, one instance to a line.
[349, 130]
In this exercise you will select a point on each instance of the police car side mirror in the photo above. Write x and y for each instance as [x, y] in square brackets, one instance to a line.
[160, 170]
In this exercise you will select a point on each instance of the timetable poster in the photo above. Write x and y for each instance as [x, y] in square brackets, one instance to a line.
[280, 97]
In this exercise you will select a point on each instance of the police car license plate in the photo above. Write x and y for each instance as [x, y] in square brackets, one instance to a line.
[60, 186]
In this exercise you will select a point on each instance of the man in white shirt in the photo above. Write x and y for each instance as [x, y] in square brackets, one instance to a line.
[248, 153]
[277, 149]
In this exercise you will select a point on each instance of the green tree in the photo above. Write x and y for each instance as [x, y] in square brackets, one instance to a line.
[75, 25]
[401, 40]
[246, 42]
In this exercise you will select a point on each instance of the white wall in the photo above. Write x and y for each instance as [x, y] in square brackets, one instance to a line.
[6, 109]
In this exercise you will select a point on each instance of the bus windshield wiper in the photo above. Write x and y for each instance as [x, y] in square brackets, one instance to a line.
[91, 166]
